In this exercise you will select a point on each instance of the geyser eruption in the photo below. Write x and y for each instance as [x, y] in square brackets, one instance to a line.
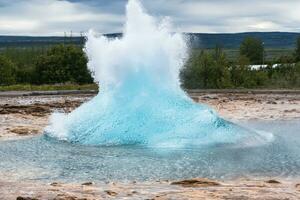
[140, 99]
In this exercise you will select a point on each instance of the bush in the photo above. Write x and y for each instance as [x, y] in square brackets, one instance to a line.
[206, 70]
[7, 71]
[62, 64]
[286, 76]
[240, 72]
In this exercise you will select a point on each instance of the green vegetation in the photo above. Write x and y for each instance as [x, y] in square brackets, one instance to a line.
[270, 54]
[253, 49]
[206, 70]
[213, 70]
[7, 71]
[64, 67]
[64, 64]
[24, 60]
[297, 52]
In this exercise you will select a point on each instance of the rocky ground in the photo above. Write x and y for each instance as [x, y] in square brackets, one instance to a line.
[193, 189]
[250, 106]
[26, 116]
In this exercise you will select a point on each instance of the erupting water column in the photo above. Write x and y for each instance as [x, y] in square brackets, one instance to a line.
[140, 99]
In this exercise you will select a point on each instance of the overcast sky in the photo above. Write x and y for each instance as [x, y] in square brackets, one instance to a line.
[54, 17]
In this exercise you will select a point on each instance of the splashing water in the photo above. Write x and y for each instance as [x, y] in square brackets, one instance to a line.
[140, 99]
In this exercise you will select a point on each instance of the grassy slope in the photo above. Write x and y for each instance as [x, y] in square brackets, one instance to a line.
[271, 54]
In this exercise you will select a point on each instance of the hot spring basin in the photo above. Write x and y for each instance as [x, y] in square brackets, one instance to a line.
[43, 158]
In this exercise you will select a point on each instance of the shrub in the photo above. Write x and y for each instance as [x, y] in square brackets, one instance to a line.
[7, 71]
[62, 64]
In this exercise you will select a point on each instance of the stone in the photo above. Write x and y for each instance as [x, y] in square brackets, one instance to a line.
[22, 130]
[111, 193]
[290, 111]
[87, 183]
[271, 102]
[273, 181]
[67, 197]
[25, 198]
[197, 182]
[55, 184]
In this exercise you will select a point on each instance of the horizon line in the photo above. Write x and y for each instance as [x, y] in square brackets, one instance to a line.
[112, 33]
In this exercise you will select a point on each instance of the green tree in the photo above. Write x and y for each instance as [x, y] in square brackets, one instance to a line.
[240, 71]
[297, 52]
[259, 78]
[25, 74]
[7, 71]
[61, 64]
[297, 75]
[206, 70]
[195, 74]
[220, 74]
[253, 49]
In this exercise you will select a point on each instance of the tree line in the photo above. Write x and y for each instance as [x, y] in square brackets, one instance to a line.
[54, 65]
[67, 63]
[212, 70]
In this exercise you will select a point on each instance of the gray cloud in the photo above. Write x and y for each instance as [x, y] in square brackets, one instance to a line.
[231, 15]
[54, 17]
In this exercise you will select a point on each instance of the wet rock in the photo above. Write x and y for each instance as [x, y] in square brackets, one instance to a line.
[53, 190]
[67, 197]
[39, 109]
[290, 111]
[273, 181]
[55, 184]
[20, 131]
[111, 193]
[23, 130]
[25, 198]
[87, 183]
[271, 102]
[209, 97]
[196, 99]
[34, 110]
[197, 182]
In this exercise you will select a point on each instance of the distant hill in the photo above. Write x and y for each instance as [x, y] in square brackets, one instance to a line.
[195, 40]
[233, 40]
[28, 41]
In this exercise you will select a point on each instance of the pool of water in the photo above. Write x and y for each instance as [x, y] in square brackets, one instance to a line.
[43, 158]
